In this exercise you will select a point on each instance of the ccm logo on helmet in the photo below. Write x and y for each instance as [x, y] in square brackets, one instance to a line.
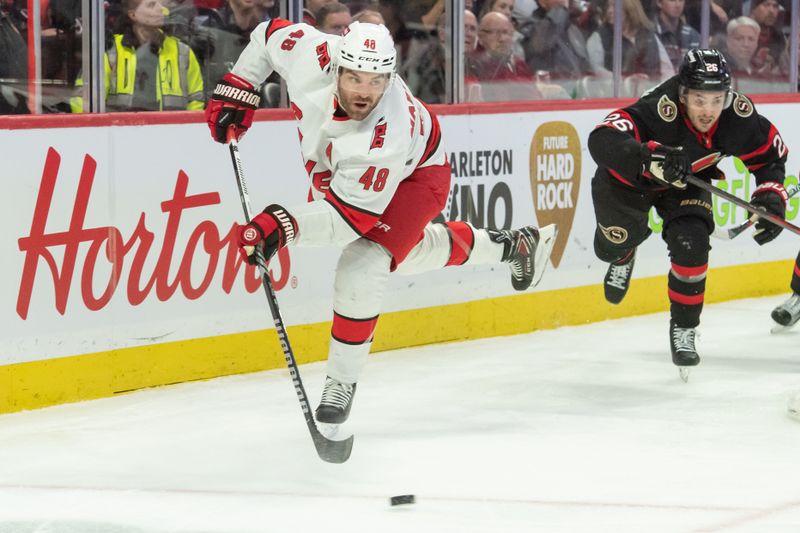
[250, 234]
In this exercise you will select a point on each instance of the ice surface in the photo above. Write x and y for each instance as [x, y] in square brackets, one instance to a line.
[579, 429]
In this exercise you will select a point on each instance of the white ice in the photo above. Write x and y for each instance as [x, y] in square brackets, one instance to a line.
[579, 429]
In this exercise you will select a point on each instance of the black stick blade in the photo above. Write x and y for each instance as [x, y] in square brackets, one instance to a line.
[333, 451]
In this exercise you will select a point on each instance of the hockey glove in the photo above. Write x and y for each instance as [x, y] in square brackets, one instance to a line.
[772, 197]
[666, 164]
[273, 229]
[233, 104]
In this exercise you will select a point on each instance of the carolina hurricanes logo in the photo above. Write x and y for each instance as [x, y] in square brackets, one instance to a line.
[742, 106]
[667, 109]
[378, 135]
[250, 234]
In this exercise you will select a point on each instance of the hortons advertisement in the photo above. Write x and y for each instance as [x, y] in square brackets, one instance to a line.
[123, 236]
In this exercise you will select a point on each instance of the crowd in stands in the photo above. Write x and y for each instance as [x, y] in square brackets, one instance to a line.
[168, 54]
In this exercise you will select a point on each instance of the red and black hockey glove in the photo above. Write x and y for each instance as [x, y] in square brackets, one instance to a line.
[772, 197]
[666, 164]
[233, 103]
[273, 229]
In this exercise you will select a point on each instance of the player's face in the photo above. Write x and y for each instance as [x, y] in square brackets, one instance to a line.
[360, 92]
[703, 108]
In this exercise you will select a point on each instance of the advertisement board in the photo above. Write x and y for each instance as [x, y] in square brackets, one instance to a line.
[118, 242]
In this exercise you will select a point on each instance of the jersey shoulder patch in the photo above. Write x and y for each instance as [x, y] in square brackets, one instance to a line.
[667, 109]
[742, 105]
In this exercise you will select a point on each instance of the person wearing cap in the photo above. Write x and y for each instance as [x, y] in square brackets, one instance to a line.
[646, 151]
[379, 176]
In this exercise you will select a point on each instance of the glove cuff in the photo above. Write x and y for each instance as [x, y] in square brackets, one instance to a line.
[286, 224]
[238, 91]
[774, 187]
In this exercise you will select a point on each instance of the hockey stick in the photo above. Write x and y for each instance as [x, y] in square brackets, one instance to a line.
[332, 451]
[697, 182]
[732, 233]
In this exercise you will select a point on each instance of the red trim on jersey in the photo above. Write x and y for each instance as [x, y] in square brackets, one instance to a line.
[796, 269]
[462, 241]
[298, 113]
[763, 148]
[703, 138]
[433, 140]
[624, 114]
[359, 219]
[689, 272]
[685, 299]
[353, 330]
[274, 25]
[620, 178]
[328, 151]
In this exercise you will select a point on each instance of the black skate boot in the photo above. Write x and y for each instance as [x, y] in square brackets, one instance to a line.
[337, 398]
[684, 353]
[618, 278]
[527, 251]
[788, 313]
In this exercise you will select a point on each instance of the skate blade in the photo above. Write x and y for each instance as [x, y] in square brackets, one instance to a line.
[684, 371]
[547, 239]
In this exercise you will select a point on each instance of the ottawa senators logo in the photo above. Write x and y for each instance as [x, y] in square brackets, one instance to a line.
[742, 106]
[667, 109]
[614, 234]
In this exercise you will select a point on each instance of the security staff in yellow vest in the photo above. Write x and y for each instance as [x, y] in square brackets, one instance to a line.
[145, 69]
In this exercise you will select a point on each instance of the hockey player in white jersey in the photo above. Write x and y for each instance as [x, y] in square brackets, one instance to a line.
[379, 176]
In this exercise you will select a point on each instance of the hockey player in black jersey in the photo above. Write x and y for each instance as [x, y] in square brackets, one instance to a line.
[644, 153]
[787, 314]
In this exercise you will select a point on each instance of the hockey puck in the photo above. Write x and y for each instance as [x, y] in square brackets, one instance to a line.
[403, 499]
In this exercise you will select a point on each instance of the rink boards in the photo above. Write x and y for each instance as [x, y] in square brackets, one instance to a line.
[120, 271]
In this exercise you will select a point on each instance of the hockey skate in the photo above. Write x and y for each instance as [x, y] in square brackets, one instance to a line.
[337, 398]
[618, 278]
[527, 251]
[684, 353]
[786, 314]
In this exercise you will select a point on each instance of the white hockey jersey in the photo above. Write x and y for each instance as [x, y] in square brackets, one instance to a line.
[355, 166]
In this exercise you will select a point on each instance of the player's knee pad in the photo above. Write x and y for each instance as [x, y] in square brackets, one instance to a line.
[688, 240]
[361, 277]
[611, 244]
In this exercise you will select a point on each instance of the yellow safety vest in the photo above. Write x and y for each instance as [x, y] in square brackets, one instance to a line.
[179, 86]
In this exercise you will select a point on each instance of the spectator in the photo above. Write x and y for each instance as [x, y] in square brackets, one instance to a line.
[427, 80]
[671, 29]
[771, 41]
[333, 18]
[13, 65]
[506, 7]
[310, 10]
[642, 52]
[224, 35]
[493, 72]
[722, 11]
[146, 70]
[410, 38]
[741, 45]
[369, 15]
[554, 44]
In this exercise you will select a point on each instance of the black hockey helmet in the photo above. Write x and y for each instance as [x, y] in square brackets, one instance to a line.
[705, 70]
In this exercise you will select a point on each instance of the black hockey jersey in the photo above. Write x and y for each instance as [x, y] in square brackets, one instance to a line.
[658, 116]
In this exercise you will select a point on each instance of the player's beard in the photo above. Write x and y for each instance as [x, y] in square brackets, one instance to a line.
[358, 107]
